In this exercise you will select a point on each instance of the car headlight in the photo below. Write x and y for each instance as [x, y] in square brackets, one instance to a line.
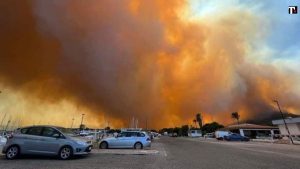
[81, 142]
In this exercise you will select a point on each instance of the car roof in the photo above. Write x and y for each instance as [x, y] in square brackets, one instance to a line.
[42, 126]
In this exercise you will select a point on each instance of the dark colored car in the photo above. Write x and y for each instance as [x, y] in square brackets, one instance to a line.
[236, 137]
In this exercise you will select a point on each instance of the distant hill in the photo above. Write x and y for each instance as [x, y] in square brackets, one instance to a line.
[267, 120]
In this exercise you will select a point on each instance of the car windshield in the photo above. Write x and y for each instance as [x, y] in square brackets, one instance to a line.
[66, 131]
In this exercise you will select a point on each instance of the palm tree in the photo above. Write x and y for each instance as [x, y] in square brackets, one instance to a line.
[235, 115]
[199, 119]
[195, 122]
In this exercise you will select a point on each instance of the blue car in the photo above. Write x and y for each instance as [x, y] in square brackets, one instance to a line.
[127, 139]
[45, 140]
[236, 137]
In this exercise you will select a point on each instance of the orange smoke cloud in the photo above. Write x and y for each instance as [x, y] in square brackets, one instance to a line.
[118, 59]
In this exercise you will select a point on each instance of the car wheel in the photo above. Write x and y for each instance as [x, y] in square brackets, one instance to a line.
[103, 145]
[12, 152]
[65, 153]
[138, 146]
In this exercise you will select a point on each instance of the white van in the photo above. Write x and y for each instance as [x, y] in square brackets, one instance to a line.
[195, 133]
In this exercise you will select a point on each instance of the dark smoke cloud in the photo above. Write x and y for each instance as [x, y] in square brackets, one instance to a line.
[135, 58]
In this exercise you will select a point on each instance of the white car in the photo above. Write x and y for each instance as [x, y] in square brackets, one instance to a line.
[2, 141]
[221, 134]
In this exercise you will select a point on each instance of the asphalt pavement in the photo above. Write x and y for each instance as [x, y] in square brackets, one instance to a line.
[177, 153]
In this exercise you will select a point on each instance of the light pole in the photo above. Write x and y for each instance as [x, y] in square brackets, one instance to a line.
[3, 120]
[72, 122]
[146, 124]
[7, 125]
[81, 119]
[286, 127]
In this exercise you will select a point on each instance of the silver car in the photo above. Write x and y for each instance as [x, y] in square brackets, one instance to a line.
[128, 139]
[45, 140]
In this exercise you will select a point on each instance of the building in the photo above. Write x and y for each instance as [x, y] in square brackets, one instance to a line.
[293, 125]
[252, 130]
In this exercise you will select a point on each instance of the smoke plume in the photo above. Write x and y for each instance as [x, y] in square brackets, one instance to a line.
[118, 59]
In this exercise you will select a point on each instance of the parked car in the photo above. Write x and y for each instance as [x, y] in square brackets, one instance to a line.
[150, 134]
[221, 134]
[209, 135]
[236, 137]
[173, 134]
[45, 140]
[127, 139]
[153, 135]
[2, 140]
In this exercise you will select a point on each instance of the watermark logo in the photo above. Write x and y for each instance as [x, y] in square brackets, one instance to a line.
[293, 9]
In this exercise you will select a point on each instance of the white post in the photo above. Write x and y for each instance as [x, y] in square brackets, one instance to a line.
[242, 132]
[272, 135]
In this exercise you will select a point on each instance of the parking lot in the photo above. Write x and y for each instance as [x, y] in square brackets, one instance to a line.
[176, 153]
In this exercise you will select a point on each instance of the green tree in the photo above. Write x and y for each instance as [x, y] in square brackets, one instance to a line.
[235, 115]
[184, 130]
[82, 127]
[211, 127]
[176, 130]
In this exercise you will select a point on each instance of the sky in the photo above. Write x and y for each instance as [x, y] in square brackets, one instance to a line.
[158, 61]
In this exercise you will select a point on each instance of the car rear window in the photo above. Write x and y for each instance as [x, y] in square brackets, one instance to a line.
[140, 134]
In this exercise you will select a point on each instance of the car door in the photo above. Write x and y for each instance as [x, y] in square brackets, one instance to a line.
[141, 137]
[50, 143]
[235, 137]
[32, 141]
[124, 141]
[133, 139]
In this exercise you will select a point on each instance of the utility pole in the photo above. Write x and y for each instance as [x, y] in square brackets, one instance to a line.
[286, 127]
[129, 119]
[146, 124]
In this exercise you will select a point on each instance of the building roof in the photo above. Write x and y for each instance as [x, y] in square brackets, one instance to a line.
[248, 126]
[287, 120]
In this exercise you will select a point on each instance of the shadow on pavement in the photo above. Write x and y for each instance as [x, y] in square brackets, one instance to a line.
[39, 157]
